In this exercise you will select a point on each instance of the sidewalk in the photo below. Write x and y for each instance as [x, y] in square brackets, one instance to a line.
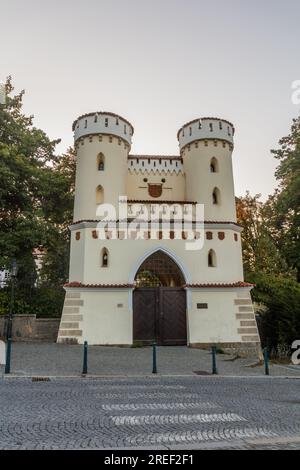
[59, 360]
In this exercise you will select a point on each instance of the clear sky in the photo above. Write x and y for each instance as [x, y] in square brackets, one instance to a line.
[160, 63]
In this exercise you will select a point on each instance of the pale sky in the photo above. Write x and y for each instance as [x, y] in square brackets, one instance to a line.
[160, 63]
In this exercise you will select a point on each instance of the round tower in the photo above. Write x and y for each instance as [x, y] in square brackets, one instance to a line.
[102, 142]
[206, 145]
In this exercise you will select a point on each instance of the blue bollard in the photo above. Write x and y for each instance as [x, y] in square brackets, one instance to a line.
[266, 360]
[85, 358]
[214, 360]
[154, 368]
[8, 356]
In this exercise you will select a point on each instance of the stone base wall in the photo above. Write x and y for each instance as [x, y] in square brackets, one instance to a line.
[240, 349]
[30, 328]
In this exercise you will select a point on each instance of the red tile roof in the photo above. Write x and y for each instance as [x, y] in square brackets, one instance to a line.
[104, 286]
[233, 284]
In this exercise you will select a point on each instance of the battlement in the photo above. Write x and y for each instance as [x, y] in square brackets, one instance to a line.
[102, 123]
[205, 129]
[155, 164]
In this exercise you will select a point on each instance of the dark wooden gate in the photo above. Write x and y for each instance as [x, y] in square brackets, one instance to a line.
[160, 314]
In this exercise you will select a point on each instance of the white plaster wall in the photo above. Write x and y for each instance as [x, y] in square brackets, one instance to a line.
[217, 323]
[201, 182]
[125, 256]
[77, 250]
[112, 179]
[172, 190]
[104, 322]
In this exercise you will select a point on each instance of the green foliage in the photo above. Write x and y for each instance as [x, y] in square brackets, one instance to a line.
[43, 301]
[280, 298]
[287, 200]
[36, 192]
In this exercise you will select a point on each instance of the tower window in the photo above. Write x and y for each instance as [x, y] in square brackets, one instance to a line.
[125, 129]
[104, 258]
[190, 131]
[117, 121]
[211, 127]
[214, 167]
[212, 259]
[99, 195]
[85, 123]
[106, 122]
[100, 162]
[200, 124]
[220, 126]
[229, 133]
[216, 198]
[95, 118]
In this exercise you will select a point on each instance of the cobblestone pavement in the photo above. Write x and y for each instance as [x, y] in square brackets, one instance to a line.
[66, 360]
[155, 413]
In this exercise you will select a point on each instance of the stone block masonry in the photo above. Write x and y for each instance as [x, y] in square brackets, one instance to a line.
[30, 328]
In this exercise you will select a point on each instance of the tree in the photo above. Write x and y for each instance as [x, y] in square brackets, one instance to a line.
[36, 196]
[260, 251]
[288, 198]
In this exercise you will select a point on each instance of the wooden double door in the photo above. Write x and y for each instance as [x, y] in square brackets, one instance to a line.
[159, 313]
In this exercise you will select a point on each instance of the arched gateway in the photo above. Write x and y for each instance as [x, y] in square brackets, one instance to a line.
[159, 302]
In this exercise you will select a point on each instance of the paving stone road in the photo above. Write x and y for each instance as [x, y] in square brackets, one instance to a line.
[66, 360]
[160, 413]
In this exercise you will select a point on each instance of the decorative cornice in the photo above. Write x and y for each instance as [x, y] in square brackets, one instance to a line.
[158, 201]
[208, 139]
[206, 222]
[107, 134]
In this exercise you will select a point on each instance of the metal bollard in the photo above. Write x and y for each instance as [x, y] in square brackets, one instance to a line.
[85, 358]
[154, 368]
[266, 360]
[214, 360]
[8, 356]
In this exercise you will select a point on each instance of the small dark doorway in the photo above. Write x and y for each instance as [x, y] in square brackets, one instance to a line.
[159, 302]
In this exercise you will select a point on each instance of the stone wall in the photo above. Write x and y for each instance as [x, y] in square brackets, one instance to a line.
[30, 328]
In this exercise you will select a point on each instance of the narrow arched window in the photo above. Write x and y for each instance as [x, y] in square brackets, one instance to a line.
[99, 195]
[214, 167]
[212, 259]
[100, 162]
[216, 196]
[104, 258]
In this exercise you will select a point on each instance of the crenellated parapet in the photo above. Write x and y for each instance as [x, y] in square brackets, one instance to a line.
[155, 164]
[205, 129]
[103, 123]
